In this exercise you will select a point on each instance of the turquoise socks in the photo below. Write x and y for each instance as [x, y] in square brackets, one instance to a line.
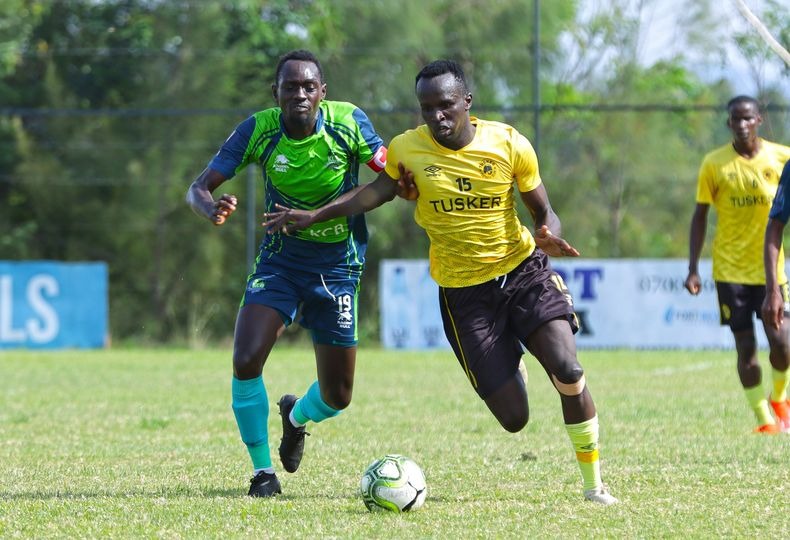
[312, 407]
[251, 408]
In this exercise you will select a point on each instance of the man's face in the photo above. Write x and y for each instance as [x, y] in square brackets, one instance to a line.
[444, 106]
[743, 121]
[298, 92]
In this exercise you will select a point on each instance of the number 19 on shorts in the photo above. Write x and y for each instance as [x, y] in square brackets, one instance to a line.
[345, 317]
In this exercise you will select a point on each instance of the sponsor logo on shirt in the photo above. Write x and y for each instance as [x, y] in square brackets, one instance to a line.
[465, 203]
[751, 200]
[326, 232]
[281, 163]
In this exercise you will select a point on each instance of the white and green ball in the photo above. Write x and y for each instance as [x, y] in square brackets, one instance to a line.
[394, 483]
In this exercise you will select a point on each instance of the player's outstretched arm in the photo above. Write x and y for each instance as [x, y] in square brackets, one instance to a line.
[773, 303]
[547, 224]
[202, 202]
[357, 201]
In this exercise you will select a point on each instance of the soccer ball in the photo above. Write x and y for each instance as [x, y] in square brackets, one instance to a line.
[393, 483]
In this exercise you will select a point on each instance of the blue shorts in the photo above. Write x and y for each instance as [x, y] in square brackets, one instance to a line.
[328, 301]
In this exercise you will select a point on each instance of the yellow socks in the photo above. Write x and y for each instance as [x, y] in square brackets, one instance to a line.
[584, 438]
[759, 404]
[781, 379]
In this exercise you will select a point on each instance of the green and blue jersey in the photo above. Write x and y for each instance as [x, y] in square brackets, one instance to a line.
[781, 205]
[306, 174]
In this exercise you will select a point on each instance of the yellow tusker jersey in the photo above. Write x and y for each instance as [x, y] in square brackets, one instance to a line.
[741, 190]
[467, 202]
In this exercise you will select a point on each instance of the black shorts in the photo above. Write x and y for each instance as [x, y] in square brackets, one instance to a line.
[737, 302]
[486, 324]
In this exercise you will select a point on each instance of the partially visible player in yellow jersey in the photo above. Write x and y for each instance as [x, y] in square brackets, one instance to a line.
[740, 180]
[497, 292]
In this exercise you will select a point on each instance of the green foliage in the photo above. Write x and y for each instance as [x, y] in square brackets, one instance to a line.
[622, 174]
[753, 46]
[112, 187]
[633, 171]
[142, 444]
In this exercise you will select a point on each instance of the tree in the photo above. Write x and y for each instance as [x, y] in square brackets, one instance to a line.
[111, 108]
[632, 170]
[110, 186]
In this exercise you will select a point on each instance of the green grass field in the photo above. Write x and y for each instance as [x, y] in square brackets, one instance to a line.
[142, 444]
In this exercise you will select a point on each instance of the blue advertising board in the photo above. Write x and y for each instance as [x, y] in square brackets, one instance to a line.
[620, 303]
[51, 305]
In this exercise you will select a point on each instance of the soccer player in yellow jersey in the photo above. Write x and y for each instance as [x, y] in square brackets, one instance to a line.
[497, 292]
[740, 180]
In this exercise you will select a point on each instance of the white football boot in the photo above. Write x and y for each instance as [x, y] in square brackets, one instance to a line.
[600, 495]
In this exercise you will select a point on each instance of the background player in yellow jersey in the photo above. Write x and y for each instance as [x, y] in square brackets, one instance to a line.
[498, 293]
[740, 180]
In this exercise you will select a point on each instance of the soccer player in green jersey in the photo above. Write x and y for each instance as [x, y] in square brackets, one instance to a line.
[497, 291]
[776, 305]
[740, 180]
[309, 150]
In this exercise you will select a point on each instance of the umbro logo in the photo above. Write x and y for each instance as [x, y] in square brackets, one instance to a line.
[432, 170]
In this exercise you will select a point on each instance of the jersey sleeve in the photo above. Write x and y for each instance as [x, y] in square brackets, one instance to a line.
[232, 156]
[394, 155]
[370, 150]
[780, 209]
[525, 163]
[705, 179]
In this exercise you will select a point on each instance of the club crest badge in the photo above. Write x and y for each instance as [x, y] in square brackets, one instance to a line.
[488, 168]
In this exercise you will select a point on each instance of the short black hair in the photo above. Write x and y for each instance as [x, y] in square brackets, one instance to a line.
[298, 54]
[440, 67]
[737, 100]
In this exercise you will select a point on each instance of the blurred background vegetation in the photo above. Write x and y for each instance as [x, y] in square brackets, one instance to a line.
[109, 109]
